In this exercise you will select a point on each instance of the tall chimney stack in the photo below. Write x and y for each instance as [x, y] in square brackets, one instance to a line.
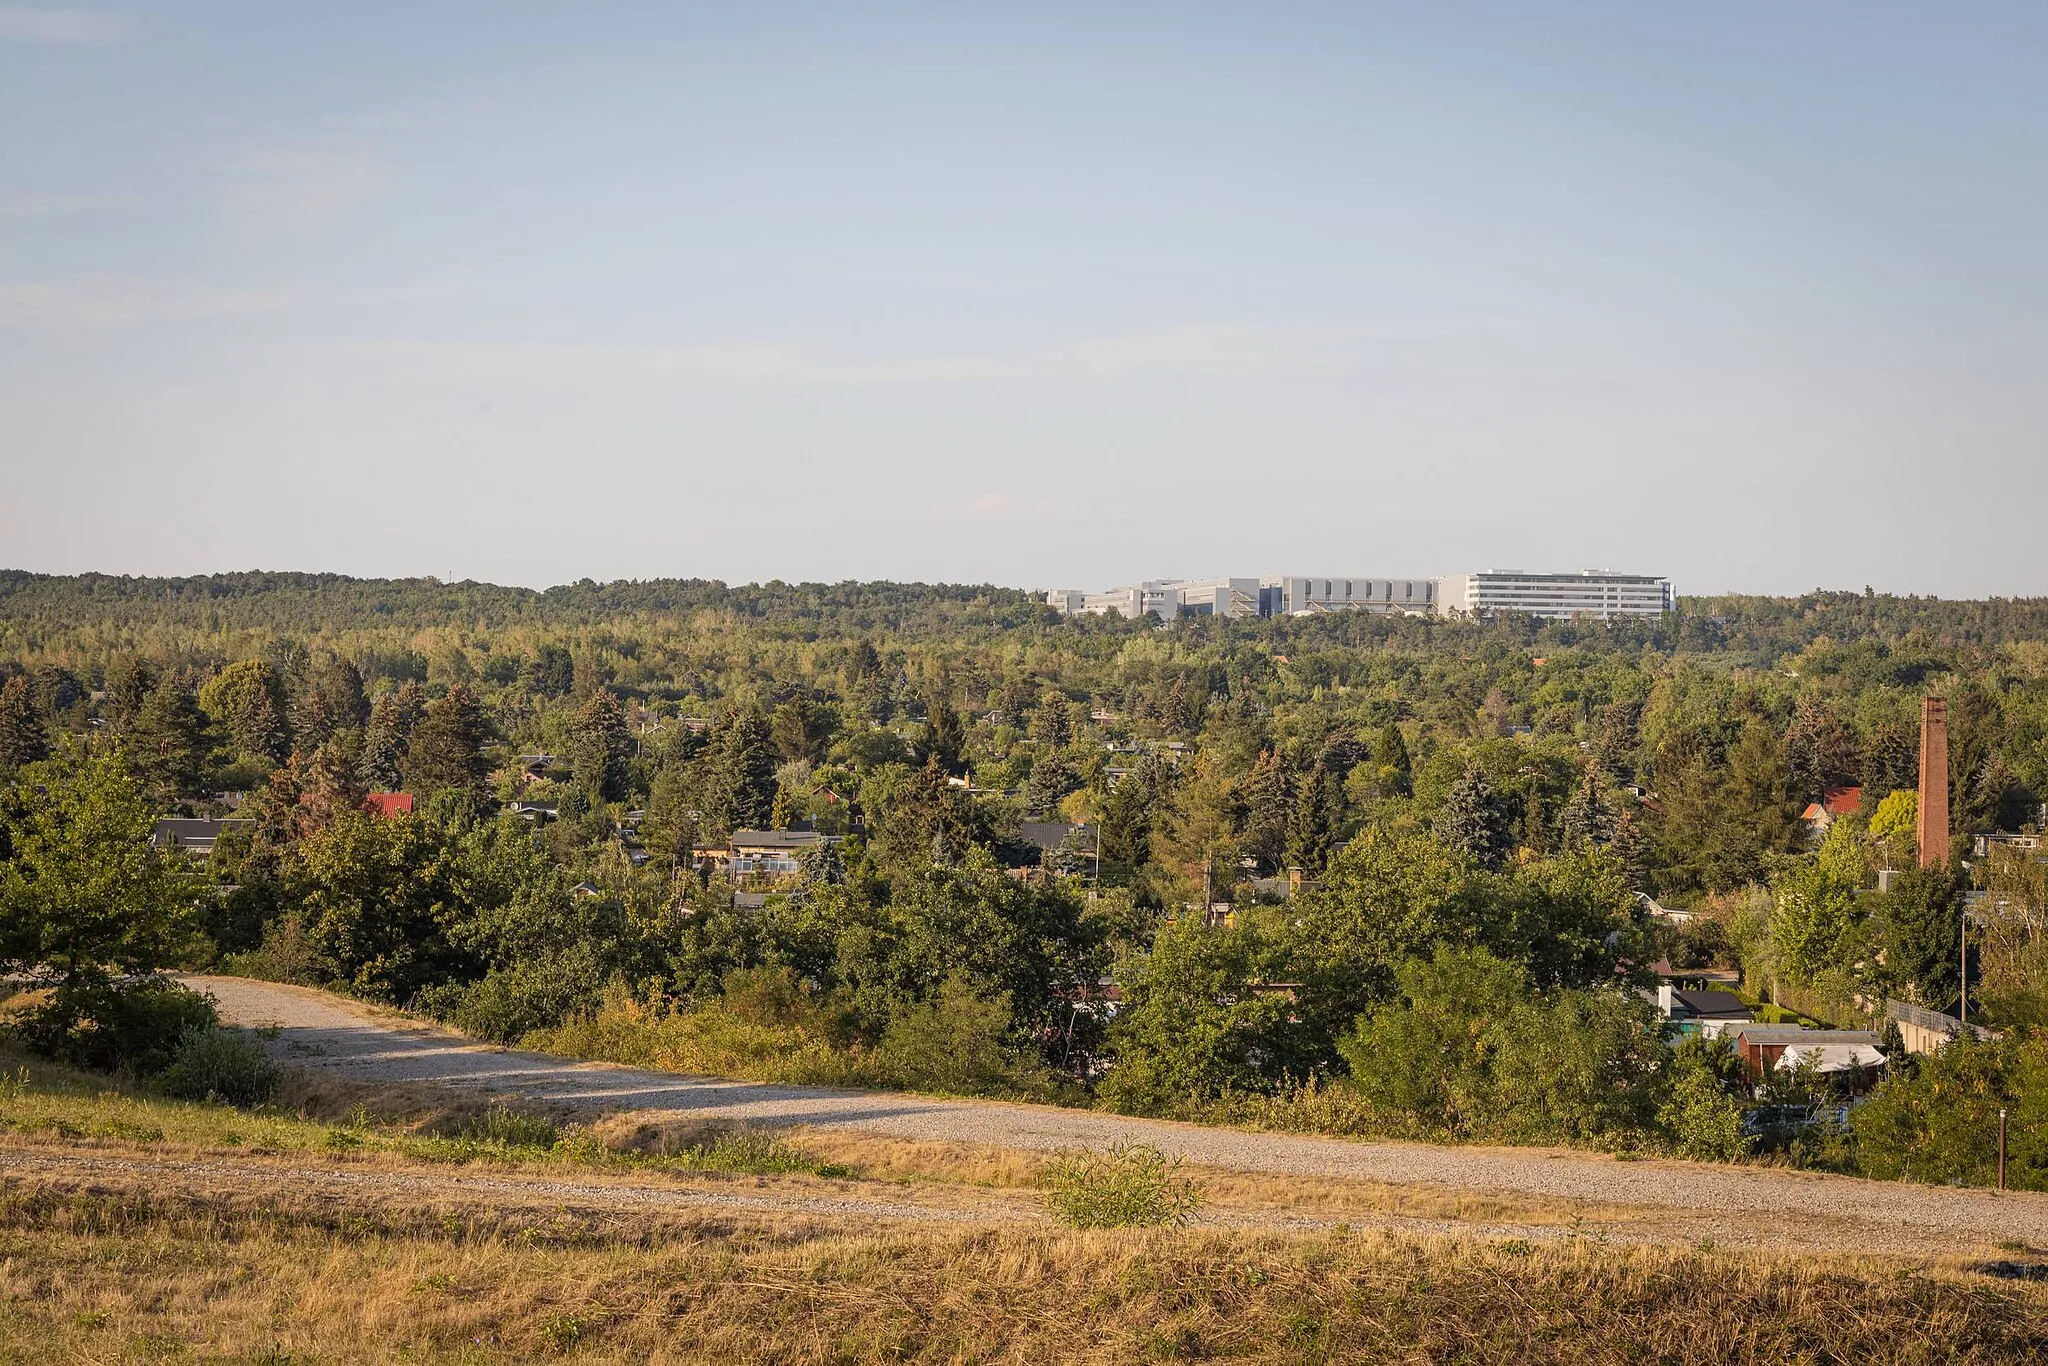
[1932, 828]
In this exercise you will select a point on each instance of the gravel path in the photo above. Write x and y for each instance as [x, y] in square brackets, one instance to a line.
[320, 1030]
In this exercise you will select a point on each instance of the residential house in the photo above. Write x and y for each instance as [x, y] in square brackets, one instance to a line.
[389, 804]
[190, 835]
[771, 854]
[1834, 804]
[1707, 1013]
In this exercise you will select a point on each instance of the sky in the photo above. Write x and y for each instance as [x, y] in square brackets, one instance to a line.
[1046, 295]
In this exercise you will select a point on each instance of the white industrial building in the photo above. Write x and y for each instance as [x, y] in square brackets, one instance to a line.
[1589, 593]
[1297, 595]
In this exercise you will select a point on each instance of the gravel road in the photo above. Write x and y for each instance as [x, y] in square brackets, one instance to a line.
[320, 1030]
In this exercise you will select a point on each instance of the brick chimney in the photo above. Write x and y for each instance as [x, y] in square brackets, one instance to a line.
[1932, 827]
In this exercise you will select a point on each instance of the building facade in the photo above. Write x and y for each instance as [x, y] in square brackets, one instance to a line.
[1590, 593]
[1297, 596]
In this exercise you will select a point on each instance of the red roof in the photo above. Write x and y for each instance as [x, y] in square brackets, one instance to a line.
[391, 803]
[1836, 801]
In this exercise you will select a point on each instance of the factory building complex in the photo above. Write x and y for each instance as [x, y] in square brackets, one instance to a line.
[1598, 594]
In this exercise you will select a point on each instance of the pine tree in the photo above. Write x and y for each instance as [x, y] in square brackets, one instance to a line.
[392, 720]
[167, 742]
[447, 746]
[1052, 778]
[324, 698]
[1268, 810]
[1585, 818]
[600, 746]
[945, 738]
[743, 777]
[551, 672]
[1632, 852]
[1317, 823]
[129, 686]
[23, 739]
[1393, 770]
[244, 699]
[1051, 727]
[1472, 821]
[330, 787]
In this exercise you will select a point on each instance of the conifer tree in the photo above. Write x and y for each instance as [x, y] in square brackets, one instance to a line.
[1052, 778]
[944, 736]
[1585, 818]
[244, 699]
[324, 698]
[330, 787]
[23, 739]
[1472, 821]
[129, 685]
[446, 750]
[1051, 727]
[392, 720]
[743, 772]
[167, 741]
[600, 746]
[1268, 810]
[1317, 825]
[1393, 769]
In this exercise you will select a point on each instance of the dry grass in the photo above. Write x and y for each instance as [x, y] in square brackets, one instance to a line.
[100, 1277]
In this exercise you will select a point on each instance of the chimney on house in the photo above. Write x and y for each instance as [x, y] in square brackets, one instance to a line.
[1932, 828]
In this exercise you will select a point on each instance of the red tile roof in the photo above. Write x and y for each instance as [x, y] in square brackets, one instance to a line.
[391, 803]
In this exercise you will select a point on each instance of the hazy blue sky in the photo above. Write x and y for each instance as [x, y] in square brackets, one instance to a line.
[1035, 294]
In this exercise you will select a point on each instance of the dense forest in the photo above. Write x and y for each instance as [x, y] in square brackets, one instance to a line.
[1313, 857]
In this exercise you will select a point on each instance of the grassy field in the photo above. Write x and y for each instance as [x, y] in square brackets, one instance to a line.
[114, 1267]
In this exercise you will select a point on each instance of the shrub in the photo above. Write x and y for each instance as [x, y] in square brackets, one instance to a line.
[219, 1064]
[137, 1025]
[1129, 1186]
[1704, 1121]
[957, 1042]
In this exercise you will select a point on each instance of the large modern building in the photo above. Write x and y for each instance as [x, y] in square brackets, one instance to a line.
[1589, 593]
[1293, 596]
[1170, 598]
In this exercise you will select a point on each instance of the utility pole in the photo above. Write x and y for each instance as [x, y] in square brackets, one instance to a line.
[2001, 1147]
[1963, 1009]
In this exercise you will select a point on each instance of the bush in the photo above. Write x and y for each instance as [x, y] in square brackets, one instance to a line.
[220, 1065]
[1130, 1186]
[958, 1042]
[1704, 1121]
[137, 1025]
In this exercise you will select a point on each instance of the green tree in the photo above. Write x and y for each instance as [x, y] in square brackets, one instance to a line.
[245, 701]
[380, 900]
[1812, 921]
[392, 720]
[1427, 1055]
[1268, 810]
[1195, 1021]
[1920, 922]
[1585, 818]
[600, 746]
[741, 792]
[89, 904]
[324, 698]
[801, 729]
[167, 743]
[1472, 821]
[23, 738]
[446, 749]
[945, 738]
[551, 672]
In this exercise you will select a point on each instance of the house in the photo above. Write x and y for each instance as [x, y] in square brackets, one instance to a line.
[1708, 1013]
[1834, 803]
[540, 813]
[761, 853]
[191, 836]
[1763, 1048]
[389, 804]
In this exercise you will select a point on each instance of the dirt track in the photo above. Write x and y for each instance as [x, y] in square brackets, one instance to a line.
[319, 1030]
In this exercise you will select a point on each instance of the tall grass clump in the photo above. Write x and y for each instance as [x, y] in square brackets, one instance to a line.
[1132, 1185]
[218, 1064]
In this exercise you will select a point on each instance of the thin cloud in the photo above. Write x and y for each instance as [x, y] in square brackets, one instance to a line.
[95, 303]
[74, 26]
[285, 189]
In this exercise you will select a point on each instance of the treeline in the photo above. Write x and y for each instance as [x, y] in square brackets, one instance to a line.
[1310, 852]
